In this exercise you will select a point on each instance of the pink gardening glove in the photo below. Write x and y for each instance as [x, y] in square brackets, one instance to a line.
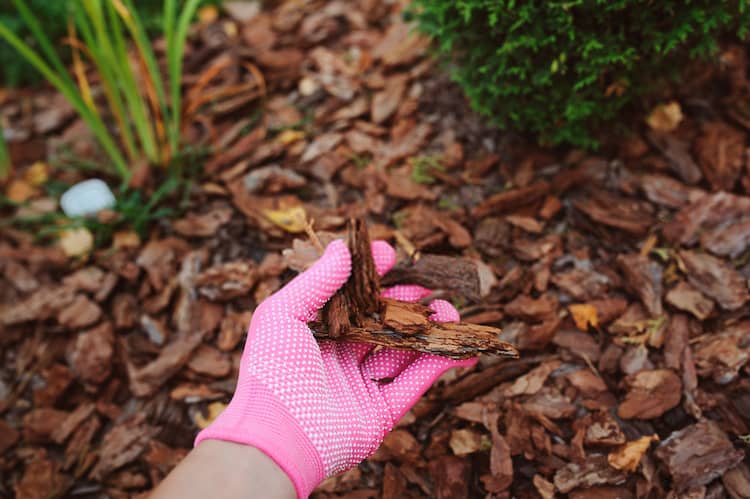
[317, 410]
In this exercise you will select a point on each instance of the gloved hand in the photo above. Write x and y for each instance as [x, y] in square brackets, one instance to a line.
[316, 409]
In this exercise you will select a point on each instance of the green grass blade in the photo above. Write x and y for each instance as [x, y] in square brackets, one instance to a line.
[109, 81]
[42, 39]
[4, 156]
[138, 32]
[175, 51]
[66, 87]
[142, 120]
[117, 61]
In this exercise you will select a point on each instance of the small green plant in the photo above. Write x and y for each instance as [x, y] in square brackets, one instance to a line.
[423, 168]
[563, 68]
[136, 122]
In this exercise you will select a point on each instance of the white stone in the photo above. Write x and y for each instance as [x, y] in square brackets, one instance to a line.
[87, 198]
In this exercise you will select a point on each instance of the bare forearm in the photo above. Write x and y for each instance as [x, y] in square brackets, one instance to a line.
[224, 469]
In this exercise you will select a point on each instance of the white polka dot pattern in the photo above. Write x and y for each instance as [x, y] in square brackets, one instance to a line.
[325, 405]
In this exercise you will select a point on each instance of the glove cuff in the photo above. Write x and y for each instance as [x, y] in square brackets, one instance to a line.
[256, 417]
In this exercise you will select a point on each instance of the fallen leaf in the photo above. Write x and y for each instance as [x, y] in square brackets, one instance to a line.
[37, 174]
[584, 315]
[290, 136]
[665, 117]
[76, 242]
[20, 191]
[208, 14]
[292, 219]
[628, 456]
[214, 409]
[465, 441]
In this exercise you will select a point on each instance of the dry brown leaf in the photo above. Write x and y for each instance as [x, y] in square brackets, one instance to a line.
[628, 456]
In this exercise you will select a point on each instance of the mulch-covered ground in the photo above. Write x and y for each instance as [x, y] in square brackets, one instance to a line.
[621, 277]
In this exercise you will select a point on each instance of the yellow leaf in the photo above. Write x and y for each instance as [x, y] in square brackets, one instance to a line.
[76, 242]
[208, 14]
[290, 136]
[584, 316]
[214, 409]
[290, 219]
[628, 456]
[665, 117]
[37, 174]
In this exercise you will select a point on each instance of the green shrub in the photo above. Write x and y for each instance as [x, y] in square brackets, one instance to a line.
[562, 68]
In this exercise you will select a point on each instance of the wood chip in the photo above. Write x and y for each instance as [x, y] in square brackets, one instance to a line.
[650, 394]
[697, 454]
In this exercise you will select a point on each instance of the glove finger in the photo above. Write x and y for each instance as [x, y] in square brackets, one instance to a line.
[406, 292]
[387, 363]
[384, 256]
[306, 293]
[406, 388]
[360, 350]
[444, 311]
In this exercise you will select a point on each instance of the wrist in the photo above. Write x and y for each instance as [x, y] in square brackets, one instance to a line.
[255, 417]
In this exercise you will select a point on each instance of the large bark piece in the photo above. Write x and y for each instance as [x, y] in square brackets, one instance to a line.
[357, 313]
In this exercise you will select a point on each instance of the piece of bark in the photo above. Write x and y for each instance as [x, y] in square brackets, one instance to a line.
[227, 281]
[46, 302]
[594, 471]
[737, 481]
[71, 422]
[39, 424]
[56, 380]
[717, 211]
[210, 361]
[407, 327]
[42, 478]
[697, 454]
[357, 313]
[394, 483]
[80, 313]
[8, 436]
[358, 298]
[90, 356]
[451, 274]
[677, 151]
[720, 151]
[715, 278]
[233, 328]
[721, 355]
[623, 213]
[644, 278]
[512, 199]
[687, 298]
[650, 394]
[121, 445]
[667, 191]
[451, 477]
[731, 238]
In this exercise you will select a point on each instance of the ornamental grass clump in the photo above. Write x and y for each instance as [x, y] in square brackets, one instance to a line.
[131, 112]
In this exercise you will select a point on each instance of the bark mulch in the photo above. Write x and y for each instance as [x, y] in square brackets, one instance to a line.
[622, 278]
